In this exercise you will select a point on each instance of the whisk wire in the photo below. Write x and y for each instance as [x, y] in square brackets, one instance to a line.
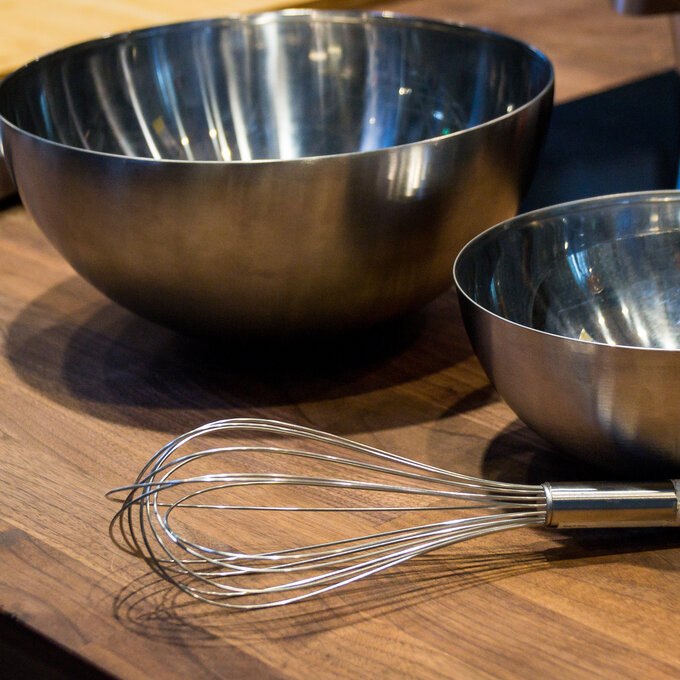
[337, 577]
[218, 574]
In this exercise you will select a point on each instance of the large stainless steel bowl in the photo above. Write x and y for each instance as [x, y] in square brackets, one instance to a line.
[275, 173]
[574, 312]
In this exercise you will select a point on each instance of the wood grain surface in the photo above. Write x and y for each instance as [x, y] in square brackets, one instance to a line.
[88, 392]
[29, 28]
[592, 46]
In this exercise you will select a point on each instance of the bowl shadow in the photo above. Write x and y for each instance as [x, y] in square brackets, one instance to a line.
[93, 356]
[517, 454]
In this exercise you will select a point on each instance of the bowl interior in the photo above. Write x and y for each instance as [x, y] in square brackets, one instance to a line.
[273, 86]
[603, 270]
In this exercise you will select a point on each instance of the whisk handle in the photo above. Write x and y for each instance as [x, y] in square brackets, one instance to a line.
[604, 504]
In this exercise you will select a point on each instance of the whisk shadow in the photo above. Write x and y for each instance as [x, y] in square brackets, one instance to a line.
[155, 608]
[95, 357]
[648, 545]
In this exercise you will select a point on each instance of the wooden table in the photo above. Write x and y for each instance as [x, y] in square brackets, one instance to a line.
[89, 391]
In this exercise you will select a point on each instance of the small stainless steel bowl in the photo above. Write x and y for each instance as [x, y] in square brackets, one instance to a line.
[275, 173]
[574, 313]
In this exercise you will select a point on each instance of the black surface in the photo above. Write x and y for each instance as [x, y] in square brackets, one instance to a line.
[625, 139]
[25, 655]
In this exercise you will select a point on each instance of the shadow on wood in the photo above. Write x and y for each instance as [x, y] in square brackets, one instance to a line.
[154, 608]
[95, 357]
[429, 585]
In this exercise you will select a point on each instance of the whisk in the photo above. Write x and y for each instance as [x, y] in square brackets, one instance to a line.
[340, 476]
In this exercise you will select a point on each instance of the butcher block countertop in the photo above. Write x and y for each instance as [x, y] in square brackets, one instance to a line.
[89, 391]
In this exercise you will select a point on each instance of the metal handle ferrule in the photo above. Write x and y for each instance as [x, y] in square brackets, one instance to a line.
[603, 504]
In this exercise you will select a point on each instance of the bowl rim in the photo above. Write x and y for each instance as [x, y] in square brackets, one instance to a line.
[525, 219]
[260, 18]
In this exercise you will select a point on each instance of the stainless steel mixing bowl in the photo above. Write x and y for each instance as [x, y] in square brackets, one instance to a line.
[275, 173]
[574, 312]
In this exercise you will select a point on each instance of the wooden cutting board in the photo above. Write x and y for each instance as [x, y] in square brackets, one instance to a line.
[29, 28]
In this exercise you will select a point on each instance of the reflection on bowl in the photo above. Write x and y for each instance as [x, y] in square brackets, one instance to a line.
[574, 312]
[285, 172]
